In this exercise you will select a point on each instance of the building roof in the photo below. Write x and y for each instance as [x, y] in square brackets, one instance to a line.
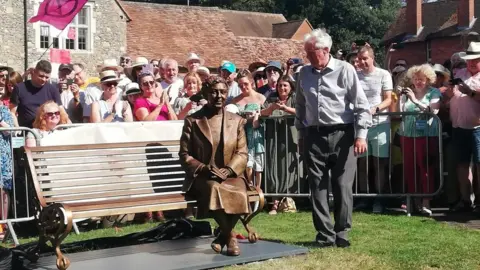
[158, 31]
[439, 19]
[286, 29]
[123, 10]
[251, 24]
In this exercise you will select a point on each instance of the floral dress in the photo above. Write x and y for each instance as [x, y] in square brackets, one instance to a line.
[255, 136]
[6, 178]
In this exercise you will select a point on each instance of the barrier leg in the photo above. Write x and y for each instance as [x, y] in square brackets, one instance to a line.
[409, 206]
[75, 228]
[12, 233]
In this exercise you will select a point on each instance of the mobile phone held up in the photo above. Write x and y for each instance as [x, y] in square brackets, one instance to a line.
[455, 81]
[273, 99]
[69, 82]
[294, 61]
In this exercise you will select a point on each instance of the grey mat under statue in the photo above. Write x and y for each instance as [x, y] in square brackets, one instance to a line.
[166, 255]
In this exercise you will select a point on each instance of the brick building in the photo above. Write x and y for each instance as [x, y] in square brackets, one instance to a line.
[159, 30]
[110, 28]
[100, 32]
[432, 32]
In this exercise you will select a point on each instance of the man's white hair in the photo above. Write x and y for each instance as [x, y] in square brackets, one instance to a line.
[169, 62]
[320, 38]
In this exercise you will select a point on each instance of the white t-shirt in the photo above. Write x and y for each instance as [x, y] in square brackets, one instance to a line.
[174, 89]
[93, 93]
[374, 84]
[69, 104]
[233, 92]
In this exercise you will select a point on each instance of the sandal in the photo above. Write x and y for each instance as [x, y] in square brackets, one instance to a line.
[274, 209]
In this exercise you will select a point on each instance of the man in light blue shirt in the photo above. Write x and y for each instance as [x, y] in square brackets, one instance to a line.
[228, 72]
[330, 134]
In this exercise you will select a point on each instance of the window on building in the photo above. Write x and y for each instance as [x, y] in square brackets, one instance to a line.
[75, 37]
[429, 52]
[46, 40]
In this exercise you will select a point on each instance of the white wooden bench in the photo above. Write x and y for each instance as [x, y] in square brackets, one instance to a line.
[85, 181]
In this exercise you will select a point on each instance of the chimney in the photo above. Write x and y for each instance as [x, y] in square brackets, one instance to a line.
[465, 14]
[414, 16]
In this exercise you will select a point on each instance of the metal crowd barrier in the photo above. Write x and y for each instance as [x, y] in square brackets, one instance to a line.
[19, 195]
[283, 127]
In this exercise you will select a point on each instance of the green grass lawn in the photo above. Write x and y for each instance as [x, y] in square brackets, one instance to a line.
[378, 242]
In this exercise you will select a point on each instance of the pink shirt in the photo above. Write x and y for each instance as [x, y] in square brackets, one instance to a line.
[464, 110]
[142, 102]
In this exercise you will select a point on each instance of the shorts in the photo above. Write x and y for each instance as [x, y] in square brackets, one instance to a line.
[256, 162]
[466, 143]
[378, 140]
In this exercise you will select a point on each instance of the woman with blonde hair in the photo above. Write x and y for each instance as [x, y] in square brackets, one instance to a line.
[191, 100]
[48, 117]
[419, 133]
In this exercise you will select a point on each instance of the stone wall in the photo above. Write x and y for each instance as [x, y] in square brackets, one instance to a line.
[108, 27]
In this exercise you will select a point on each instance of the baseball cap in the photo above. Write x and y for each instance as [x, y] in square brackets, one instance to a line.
[229, 66]
[275, 65]
[65, 66]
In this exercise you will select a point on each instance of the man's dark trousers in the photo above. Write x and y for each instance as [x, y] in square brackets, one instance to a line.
[330, 149]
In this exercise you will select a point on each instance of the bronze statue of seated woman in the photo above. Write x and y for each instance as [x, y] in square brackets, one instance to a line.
[213, 152]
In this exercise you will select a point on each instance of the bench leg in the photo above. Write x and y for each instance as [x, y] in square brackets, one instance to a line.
[55, 223]
[252, 235]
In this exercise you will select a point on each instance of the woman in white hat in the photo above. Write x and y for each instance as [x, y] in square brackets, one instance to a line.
[204, 73]
[132, 92]
[111, 64]
[134, 70]
[193, 62]
[110, 108]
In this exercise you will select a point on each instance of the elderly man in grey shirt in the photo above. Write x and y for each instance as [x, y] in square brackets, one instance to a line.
[331, 135]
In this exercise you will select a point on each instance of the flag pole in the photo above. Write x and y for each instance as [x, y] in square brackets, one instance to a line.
[25, 32]
[58, 38]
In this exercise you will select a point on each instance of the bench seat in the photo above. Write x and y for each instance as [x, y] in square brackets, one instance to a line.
[97, 180]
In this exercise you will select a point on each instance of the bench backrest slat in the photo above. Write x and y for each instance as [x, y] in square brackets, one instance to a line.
[106, 171]
[91, 153]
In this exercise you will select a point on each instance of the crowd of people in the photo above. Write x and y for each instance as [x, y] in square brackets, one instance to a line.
[338, 126]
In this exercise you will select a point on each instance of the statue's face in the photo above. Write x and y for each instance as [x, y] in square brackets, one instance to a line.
[217, 95]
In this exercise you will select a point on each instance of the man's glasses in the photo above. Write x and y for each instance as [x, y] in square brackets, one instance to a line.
[148, 83]
[259, 77]
[52, 114]
[2, 76]
[110, 84]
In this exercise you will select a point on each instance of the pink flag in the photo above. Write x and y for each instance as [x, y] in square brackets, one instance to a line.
[71, 33]
[60, 56]
[58, 13]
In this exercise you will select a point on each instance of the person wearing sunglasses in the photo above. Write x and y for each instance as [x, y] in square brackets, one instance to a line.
[273, 71]
[260, 77]
[110, 108]
[4, 71]
[48, 117]
[154, 104]
[125, 61]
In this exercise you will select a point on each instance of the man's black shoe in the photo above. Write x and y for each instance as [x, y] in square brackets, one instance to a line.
[323, 244]
[342, 243]
[462, 207]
